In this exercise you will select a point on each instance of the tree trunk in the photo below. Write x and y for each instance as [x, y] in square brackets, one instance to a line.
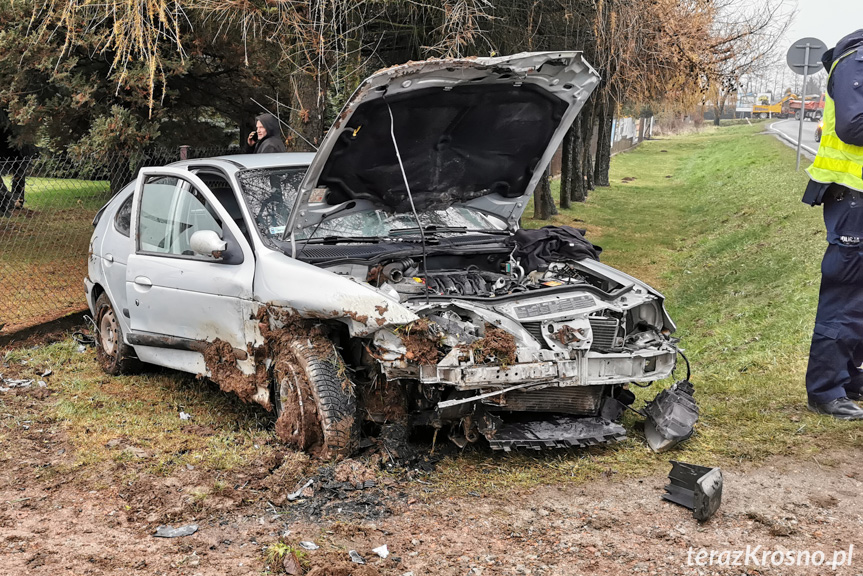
[7, 200]
[13, 197]
[567, 164]
[605, 118]
[544, 207]
[307, 116]
[718, 110]
[581, 147]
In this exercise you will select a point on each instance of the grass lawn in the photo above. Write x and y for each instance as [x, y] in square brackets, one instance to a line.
[713, 220]
[43, 249]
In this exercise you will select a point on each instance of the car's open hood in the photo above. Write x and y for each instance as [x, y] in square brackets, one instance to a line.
[477, 132]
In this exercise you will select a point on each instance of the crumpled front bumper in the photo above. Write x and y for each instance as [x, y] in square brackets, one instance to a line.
[589, 369]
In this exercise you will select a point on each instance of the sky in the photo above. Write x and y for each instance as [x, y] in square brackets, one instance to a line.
[826, 20]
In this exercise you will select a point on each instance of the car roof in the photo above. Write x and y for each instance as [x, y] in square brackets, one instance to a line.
[250, 161]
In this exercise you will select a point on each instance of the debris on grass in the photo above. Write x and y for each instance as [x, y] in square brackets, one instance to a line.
[355, 557]
[301, 491]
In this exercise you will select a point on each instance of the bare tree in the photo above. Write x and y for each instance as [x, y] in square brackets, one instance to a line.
[743, 43]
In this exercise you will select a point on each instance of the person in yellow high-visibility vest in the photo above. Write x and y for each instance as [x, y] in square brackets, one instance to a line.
[834, 378]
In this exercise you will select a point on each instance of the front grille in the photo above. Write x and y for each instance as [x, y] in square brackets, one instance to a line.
[577, 400]
[604, 332]
[535, 329]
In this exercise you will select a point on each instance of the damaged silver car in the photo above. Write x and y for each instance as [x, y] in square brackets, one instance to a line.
[385, 278]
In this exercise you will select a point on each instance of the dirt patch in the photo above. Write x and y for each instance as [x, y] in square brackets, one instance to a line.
[497, 346]
[353, 472]
[421, 343]
[343, 569]
[222, 364]
[383, 400]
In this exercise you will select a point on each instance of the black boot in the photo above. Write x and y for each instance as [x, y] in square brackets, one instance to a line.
[841, 408]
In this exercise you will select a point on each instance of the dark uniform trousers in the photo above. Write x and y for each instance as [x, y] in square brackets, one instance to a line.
[837, 341]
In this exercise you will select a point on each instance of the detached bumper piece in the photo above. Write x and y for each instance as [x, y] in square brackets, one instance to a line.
[671, 417]
[556, 432]
[696, 487]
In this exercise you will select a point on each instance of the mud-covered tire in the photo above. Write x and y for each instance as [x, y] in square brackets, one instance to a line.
[113, 354]
[315, 401]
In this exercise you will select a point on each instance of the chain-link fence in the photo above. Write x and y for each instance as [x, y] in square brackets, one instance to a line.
[47, 205]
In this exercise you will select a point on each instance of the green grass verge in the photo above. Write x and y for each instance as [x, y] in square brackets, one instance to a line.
[134, 424]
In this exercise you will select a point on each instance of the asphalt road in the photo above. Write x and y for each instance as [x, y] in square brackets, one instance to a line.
[787, 130]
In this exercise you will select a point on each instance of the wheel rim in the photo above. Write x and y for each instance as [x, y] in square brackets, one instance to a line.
[108, 332]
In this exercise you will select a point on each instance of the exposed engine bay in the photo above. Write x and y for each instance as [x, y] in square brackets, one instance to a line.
[496, 343]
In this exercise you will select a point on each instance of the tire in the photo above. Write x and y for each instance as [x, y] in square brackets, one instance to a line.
[797, 115]
[114, 356]
[763, 115]
[314, 401]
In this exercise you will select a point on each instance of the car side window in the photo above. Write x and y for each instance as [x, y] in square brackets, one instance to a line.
[171, 211]
[123, 219]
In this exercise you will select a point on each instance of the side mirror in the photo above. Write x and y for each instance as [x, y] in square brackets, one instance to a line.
[207, 243]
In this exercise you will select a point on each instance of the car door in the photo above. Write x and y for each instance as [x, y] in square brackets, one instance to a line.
[179, 299]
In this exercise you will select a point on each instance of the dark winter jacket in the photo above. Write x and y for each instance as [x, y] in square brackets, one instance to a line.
[846, 87]
[539, 248]
[273, 141]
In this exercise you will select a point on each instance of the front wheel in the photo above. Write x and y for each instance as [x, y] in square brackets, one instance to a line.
[114, 355]
[314, 400]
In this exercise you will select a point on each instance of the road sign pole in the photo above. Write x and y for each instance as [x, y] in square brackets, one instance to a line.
[807, 48]
[802, 105]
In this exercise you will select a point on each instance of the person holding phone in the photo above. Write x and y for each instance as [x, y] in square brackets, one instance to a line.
[266, 138]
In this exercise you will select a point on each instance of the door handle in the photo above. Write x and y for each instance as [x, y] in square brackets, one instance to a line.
[143, 281]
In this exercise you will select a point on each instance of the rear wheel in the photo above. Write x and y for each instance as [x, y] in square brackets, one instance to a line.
[315, 400]
[114, 355]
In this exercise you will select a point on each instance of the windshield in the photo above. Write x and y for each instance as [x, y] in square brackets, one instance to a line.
[380, 223]
[270, 194]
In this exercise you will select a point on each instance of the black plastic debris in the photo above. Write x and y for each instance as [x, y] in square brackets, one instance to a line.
[671, 417]
[556, 431]
[698, 488]
[168, 532]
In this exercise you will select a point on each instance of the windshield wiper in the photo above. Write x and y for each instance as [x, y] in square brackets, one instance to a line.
[339, 239]
[434, 229]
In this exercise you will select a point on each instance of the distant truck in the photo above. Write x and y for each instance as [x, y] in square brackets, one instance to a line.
[764, 108]
[813, 108]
